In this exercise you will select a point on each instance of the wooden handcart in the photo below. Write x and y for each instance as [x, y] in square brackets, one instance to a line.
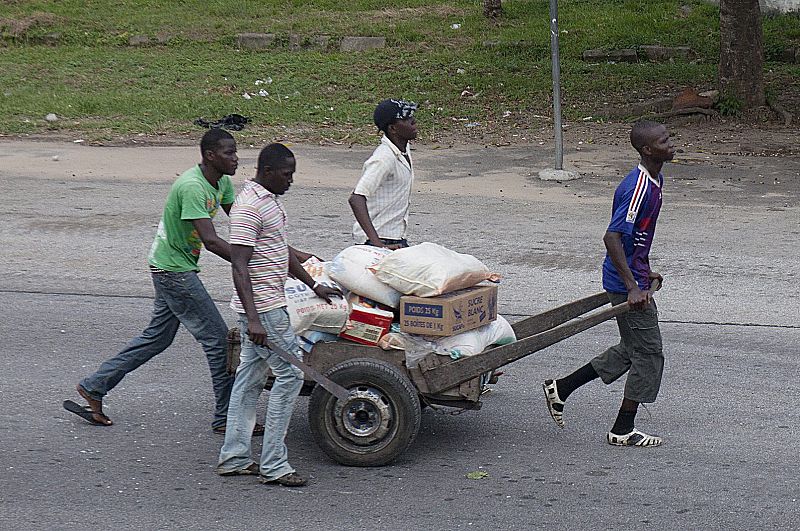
[381, 416]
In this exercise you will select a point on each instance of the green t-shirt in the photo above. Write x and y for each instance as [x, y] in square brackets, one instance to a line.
[177, 244]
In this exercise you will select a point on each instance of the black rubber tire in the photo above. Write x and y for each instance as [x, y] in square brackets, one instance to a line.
[388, 394]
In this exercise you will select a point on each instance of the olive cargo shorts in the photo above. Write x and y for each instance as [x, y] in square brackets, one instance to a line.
[638, 353]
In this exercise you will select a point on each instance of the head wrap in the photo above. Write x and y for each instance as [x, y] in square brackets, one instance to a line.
[389, 111]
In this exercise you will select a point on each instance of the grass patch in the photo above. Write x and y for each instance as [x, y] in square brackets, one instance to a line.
[103, 88]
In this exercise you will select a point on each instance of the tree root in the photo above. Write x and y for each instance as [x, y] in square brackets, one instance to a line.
[681, 112]
[780, 110]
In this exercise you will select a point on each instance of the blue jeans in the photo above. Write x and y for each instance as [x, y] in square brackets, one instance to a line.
[181, 298]
[251, 376]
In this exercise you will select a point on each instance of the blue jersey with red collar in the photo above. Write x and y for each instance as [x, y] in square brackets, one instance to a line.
[637, 203]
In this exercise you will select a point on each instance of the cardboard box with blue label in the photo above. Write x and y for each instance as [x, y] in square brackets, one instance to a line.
[449, 314]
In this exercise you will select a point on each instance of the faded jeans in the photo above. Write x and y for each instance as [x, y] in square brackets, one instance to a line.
[251, 376]
[181, 298]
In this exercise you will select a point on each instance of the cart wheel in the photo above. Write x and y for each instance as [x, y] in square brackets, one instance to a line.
[377, 422]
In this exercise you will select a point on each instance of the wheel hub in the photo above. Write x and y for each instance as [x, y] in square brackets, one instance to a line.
[365, 417]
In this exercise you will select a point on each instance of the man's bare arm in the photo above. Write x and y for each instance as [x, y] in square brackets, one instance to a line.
[302, 255]
[636, 297]
[212, 242]
[240, 258]
[358, 203]
[298, 271]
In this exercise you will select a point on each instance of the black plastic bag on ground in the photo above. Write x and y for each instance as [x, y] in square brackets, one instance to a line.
[231, 122]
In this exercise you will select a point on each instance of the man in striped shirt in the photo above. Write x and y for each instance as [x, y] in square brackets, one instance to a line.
[627, 277]
[382, 196]
[261, 259]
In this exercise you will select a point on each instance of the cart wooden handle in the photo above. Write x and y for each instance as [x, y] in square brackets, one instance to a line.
[537, 332]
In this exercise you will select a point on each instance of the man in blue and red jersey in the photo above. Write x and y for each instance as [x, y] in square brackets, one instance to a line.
[627, 277]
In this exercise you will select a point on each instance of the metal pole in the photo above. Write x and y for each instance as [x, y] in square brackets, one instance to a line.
[556, 84]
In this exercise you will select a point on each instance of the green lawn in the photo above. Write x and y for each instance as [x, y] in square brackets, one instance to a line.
[104, 89]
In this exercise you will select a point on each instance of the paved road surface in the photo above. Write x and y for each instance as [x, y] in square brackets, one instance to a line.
[73, 288]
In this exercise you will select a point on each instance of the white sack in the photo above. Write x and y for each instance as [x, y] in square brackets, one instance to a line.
[465, 344]
[475, 341]
[350, 269]
[428, 269]
[309, 312]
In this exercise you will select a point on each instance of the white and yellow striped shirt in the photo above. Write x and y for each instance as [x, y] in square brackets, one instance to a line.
[258, 220]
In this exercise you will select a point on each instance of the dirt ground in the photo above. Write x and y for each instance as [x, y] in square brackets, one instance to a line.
[766, 156]
[760, 134]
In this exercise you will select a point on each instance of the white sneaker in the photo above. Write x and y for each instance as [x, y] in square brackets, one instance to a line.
[634, 438]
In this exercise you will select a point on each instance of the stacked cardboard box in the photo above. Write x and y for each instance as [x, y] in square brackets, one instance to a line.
[449, 314]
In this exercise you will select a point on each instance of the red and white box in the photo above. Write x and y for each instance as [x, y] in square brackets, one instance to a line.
[367, 325]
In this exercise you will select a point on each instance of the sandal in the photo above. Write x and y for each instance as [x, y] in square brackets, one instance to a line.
[634, 438]
[289, 480]
[257, 431]
[93, 413]
[554, 403]
[253, 469]
[98, 418]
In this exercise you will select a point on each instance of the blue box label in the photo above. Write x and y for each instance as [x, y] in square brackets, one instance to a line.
[423, 310]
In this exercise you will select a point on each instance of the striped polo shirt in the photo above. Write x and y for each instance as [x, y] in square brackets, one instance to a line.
[386, 182]
[258, 220]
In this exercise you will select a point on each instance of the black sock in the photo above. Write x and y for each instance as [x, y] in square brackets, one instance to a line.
[569, 383]
[624, 422]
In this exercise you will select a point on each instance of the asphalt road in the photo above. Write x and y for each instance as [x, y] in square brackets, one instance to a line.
[73, 289]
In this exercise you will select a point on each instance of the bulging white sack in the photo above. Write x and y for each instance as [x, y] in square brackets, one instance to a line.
[350, 268]
[309, 312]
[498, 332]
[475, 341]
[428, 269]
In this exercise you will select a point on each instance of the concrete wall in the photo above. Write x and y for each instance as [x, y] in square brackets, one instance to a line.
[782, 6]
[772, 6]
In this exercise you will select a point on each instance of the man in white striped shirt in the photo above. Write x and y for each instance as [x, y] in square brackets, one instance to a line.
[261, 259]
[382, 196]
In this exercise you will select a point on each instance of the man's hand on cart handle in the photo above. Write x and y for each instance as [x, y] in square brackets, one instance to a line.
[638, 299]
[257, 333]
[656, 280]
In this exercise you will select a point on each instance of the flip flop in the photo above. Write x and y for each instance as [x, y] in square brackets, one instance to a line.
[85, 412]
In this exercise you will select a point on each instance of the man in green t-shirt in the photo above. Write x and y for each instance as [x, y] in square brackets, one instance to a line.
[181, 298]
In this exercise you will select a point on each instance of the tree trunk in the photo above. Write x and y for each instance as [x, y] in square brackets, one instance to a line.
[492, 8]
[741, 52]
